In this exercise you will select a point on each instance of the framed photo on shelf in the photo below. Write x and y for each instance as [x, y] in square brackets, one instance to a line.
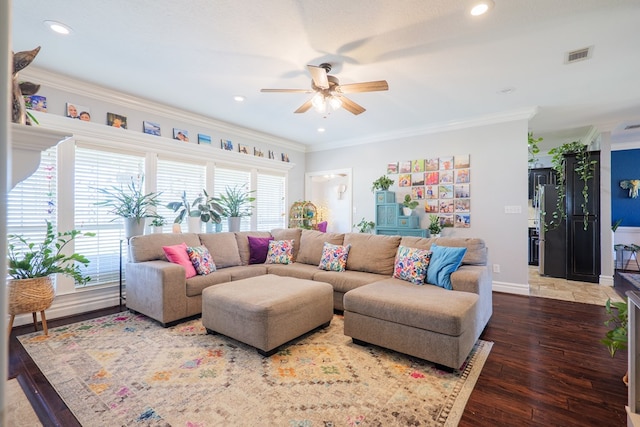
[116, 120]
[257, 152]
[272, 155]
[181, 135]
[285, 157]
[74, 111]
[204, 139]
[151, 128]
[226, 144]
[36, 103]
[244, 149]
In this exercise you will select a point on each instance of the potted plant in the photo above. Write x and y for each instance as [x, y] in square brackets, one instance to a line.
[210, 211]
[382, 184]
[533, 148]
[31, 265]
[365, 226]
[158, 223]
[434, 226]
[408, 205]
[616, 338]
[234, 204]
[132, 204]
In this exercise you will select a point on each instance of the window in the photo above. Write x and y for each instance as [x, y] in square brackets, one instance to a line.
[231, 178]
[270, 200]
[173, 179]
[33, 201]
[100, 169]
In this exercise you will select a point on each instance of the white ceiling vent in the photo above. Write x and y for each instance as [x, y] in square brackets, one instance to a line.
[578, 55]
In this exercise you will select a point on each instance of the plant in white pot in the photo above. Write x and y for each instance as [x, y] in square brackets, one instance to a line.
[132, 204]
[31, 265]
[408, 205]
[203, 209]
[235, 203]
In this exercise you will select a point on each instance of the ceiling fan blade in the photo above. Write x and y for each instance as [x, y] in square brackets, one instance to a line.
[319, 76]
[304, 107]
[363, 87]
[287, 90]
[351, 106]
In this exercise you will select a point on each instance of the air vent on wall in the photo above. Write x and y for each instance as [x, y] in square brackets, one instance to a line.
[578, 55]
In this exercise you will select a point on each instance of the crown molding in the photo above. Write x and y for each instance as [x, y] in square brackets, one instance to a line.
[491, 119]
[102, 136]
[75, 86]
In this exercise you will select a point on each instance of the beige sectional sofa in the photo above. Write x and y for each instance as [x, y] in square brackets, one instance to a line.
[158, 288]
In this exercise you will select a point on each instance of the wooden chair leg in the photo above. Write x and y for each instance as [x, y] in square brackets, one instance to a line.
[44, 323]
[13, 316]
[35, 321]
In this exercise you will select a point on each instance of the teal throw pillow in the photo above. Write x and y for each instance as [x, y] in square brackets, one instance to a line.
[444, 261]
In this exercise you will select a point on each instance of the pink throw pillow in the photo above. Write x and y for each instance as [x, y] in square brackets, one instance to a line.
[177, 254]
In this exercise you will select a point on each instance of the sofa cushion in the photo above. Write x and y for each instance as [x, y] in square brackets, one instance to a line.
[242, 239]
[196, 284]
[312, 243]
[334, 257]
[289, 234]
[258, 248]
[345, 281]
[280, 252]
[299, 270]
[177, 254]
[149, 247]
[223, 248]
[411, 264]
[372, 253]
[476, 248]
[444, 261]
[201, 259]
[425, 307]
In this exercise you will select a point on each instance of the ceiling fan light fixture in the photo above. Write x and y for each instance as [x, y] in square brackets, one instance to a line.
[481, 7]
[335, 102]
[319, 102]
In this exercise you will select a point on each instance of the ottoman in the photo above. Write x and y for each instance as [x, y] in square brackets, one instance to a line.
[267, 311]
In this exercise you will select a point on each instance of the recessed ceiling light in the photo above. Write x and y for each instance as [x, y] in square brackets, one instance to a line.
[481, 7]
[239, 98]
[58, 27]
[320, 130]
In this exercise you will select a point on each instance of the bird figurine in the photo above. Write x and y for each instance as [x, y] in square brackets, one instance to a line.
[632, 185]
[20, 61]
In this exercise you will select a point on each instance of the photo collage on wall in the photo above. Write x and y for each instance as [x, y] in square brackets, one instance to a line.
[441, 185]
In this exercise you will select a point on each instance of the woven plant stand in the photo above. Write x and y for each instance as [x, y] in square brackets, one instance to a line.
[30, 296]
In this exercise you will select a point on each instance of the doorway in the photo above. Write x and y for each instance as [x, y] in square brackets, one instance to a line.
[331, 192]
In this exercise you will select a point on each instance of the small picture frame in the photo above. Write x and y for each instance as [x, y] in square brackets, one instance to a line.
[417, 165]
[431, 206]
[461, 161]
[462, 220]
[76, 111]
[151, 128]
[462, 176]
[258, 152]
[432, 164]
[244, 149]
[431, 178]
[417, 192]
[405, 166]
[404, 180]
[36, 103]
[226, 144]
[417, 178]
[285, 157]
[392, 168]
[272, 155]
[461, 191]
[116, 120]
[446, 163]
[445, 191]
[204, 139]
[181, 135]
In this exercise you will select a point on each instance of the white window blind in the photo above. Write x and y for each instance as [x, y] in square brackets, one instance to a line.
[101, 169]
[34, 201]
[230, 178]
[173, 178]
[270, 199]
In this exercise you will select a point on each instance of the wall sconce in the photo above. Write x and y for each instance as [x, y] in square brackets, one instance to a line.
[341, 189]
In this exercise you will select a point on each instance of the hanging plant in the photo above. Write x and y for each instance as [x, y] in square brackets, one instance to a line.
[585, 168]
[533, 148]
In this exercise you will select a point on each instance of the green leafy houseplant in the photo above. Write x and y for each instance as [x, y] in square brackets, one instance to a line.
[185, 208]
[585, 168]
[434, 224]
[129, 201]
[158, 221]
[617, 337]
[408, 203]
[533, 147]
[382, 184]
[208, 208]
[365, 226]
[28, 260]
[235, 202]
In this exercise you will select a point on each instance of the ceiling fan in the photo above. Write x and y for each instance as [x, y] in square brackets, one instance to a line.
[329, 93]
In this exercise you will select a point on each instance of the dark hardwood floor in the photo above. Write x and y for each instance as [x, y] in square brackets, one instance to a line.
[547, 368]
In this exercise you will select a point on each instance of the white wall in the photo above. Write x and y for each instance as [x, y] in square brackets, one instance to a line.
[498, 178]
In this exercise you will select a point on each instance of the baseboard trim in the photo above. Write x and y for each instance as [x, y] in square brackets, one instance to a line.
[606, 280]
[511, 288]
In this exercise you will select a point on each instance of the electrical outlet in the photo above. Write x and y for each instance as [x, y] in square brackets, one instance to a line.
[496, 268]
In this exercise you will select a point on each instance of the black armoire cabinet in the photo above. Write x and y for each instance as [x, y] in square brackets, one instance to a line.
[583, 246]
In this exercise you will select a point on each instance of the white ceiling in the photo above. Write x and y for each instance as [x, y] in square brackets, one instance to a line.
[442, 65]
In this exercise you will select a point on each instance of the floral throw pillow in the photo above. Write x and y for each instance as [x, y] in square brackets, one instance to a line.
[280, 252]
[411, 264]
[201, 260]
[334, 257]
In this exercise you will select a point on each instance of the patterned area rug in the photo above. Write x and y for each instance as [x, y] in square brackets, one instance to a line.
[634, 279]
[127, 370]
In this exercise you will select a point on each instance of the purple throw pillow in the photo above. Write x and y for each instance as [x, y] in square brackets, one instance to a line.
[258, 248]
